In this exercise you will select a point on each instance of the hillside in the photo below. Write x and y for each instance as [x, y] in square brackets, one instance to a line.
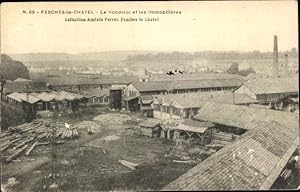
[12, 69]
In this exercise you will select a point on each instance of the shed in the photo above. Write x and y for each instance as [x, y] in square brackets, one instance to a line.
[132, 103]
[194, 129]
[150, 127]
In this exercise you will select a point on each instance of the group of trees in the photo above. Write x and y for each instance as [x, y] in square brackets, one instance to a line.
[210, 55]
[11, 69]
[234, 69]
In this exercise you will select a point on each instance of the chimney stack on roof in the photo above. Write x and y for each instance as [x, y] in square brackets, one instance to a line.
[275, 57]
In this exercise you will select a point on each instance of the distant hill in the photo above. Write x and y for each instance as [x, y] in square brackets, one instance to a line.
[12, 69]
[153, 60]
[106, 55]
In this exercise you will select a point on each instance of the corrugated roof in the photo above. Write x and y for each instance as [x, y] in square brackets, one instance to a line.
[253, 162]
[273, 85]
[23, 97]
[198, 99]
[21, 87]
[151, 122]
[185, 84]
[243, 116]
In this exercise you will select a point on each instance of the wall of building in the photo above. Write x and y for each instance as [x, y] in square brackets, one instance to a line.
[245, 90]
[164, 115]
[272, 96]
[131, 91]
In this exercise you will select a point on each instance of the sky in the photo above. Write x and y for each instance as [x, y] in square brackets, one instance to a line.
[201, 26]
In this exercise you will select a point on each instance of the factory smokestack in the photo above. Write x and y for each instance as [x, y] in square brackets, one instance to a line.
[286, 66]
[275, 57]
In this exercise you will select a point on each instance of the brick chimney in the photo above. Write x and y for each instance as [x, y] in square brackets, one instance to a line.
[286, 62]
[275, 57]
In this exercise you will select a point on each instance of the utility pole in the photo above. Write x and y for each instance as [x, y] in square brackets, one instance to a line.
[54, 173]
[28, 107]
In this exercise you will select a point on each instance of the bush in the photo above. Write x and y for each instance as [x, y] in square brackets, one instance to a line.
[195, 151]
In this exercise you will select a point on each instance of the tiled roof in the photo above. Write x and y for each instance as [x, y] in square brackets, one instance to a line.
[243, 116]
[185, 84]
[21, 87]
[253, 162]
[273, 85]
[23, 97]
[198, 99]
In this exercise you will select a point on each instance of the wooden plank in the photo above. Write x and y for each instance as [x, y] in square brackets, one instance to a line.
[31, 148]
[10, 143]
[16, 153]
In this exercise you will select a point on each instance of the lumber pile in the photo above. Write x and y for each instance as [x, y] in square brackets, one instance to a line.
[223, 136]
[132, 131]
[69, 132]
[185, 162]
[16, 140]
[128, 164]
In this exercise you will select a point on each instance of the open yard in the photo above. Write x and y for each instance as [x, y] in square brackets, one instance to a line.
[91, 162]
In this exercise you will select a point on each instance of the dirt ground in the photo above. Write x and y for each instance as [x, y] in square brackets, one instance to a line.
[90, 162]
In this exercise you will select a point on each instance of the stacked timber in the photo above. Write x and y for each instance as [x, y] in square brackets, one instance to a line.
[28, 136]
[69, 132]
[223, 136]
[128, 164]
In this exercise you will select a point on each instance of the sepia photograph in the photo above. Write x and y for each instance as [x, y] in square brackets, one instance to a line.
[149, 96]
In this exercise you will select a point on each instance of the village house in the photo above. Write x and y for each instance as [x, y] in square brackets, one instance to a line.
[271, 91]
[182, 106]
